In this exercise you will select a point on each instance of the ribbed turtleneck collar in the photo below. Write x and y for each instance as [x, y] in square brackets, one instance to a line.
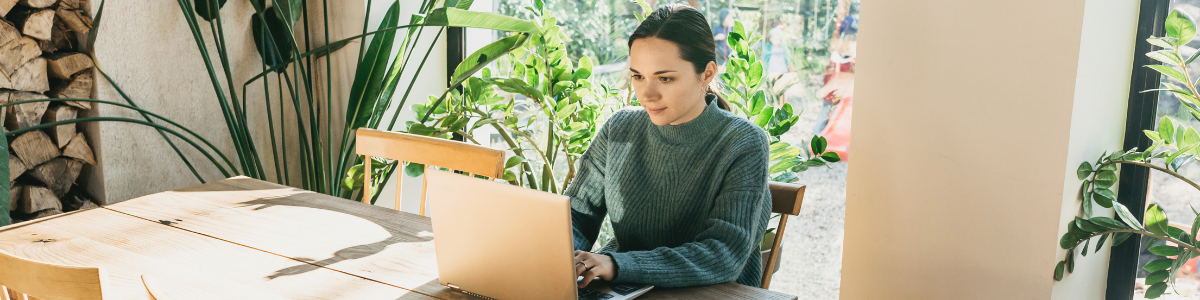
[702, 128]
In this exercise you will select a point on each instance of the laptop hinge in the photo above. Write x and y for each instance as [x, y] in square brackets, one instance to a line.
[460, 290]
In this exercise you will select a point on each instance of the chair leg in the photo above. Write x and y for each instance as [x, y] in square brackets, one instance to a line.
[424, 185]
[768, 271]
[366, 180]
[399, 178]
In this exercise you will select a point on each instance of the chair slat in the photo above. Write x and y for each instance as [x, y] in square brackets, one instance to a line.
[51, 281]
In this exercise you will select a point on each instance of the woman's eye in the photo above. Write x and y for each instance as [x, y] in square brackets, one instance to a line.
[665, 79]
[637, 77]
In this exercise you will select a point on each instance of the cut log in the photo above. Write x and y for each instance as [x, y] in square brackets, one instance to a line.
[58, 174]
[16, 53]
[16, 167]
[24, 115]
[88, 205]
[34, 148]
[61, 38]
[37, 3]
[47, 213]
[71, 4]
[4, 96]
[66, 65]
[5, 7]
[31, 77]
[74, 19]
[38, 198]
[61, 134]
[8, 32]
[34, 23]
[79, 149]
[14, 197]
[80, 86]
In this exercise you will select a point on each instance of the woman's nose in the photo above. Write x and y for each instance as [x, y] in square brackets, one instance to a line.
[651, 93]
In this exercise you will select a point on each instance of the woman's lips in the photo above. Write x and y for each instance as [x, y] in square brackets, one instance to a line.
[655, 111]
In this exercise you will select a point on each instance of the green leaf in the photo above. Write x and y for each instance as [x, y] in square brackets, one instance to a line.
[1100, 243]
[1165, 250]
[1106, 179]
[460, 4]
[273, 42]
[208, 9]
[1158, 264]
[779, 146]
[1157, 276]
[818, 144]
[1084, 170]
[1107, 223]
[454, 17]
[831, 157]
[1170, 72]
[566, 111]
[584, 71]
[1166, 56]
[785, 164]
[368, 80]
[1126, 216]
[1058, 270]
[1156, 220]
[785, 153]
[414, 169]
[1166, 129]
[1156, 290]
[1089, 226]
[1120, 237]
[1181, 27]
[754, 75]
[510, 176]
[513, 161]
[786, 177]
[764, 116]
[757, 102]
[1104, 197]
[484, 56]
[1160, 42]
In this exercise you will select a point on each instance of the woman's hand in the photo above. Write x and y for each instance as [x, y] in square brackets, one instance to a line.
[592, 265]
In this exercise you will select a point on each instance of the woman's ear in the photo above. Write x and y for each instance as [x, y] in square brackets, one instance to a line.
[710, 73]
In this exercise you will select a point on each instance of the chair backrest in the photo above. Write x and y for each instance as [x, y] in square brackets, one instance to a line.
[49, 281]
[786, 199]
[430, 151]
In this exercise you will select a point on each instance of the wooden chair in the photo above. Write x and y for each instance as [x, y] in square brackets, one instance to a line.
[431, 151]
[786, 199]
[20, 277]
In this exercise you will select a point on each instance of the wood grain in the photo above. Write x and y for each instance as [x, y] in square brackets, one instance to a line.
[128, 247]
[386, 245]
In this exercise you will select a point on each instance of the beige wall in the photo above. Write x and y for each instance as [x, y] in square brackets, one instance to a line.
[146, 46]
[971, 118]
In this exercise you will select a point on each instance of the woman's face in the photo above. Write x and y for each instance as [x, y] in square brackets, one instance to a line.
[666, 85]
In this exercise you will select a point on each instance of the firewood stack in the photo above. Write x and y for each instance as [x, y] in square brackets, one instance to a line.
[42, 56]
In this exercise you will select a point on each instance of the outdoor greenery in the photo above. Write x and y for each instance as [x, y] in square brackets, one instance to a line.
[1175, 145]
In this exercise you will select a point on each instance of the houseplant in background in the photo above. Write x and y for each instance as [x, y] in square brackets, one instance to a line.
[1174, 145]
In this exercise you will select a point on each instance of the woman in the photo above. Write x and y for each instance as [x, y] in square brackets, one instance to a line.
[683, 180]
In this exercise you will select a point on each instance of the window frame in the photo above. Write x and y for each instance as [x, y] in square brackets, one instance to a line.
[1142, 112]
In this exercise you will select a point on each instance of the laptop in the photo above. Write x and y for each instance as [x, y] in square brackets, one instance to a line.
[500, 241]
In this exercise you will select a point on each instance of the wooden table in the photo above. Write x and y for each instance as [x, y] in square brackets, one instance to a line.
[245, 234]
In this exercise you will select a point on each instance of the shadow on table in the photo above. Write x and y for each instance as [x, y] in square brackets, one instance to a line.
[402, 227]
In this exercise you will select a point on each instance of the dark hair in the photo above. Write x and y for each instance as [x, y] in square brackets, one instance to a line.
[687, 28]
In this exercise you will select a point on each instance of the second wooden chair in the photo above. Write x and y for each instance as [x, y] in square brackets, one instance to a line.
[430, 151]
[20, 277]
[786, 199]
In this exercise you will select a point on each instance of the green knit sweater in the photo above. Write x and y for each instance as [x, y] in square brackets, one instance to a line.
[688, 203]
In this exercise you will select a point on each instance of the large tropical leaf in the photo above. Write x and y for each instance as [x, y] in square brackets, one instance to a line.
[482, 57]
[271, 41]
[454, 17]
[368, 80]
[208, 9]
[5, 199]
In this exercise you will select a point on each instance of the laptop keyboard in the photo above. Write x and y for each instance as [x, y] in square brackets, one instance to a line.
[585, 294]
[626, 288]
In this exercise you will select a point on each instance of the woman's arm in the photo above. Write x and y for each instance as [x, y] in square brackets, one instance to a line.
[719, 253]
[587, 194]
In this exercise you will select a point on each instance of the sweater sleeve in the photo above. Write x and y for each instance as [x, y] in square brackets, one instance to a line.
[587, 194]
[734, 227]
